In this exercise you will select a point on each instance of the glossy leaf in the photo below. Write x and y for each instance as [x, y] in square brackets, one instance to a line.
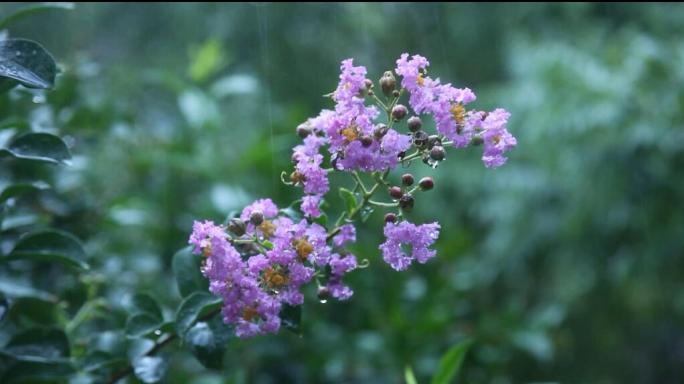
[208, 341]
[38, 345]
[50, 245]
[291, 317]
[450, 363]
[28, 63]
[349, 199]
[186, 269]
[144, 303]
[142, 324]
[15, 190]
[149, 369]
[193, 307]
[33, 9]
[38, 147]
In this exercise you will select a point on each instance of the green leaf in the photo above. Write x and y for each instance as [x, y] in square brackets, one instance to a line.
[50, 245]
[142, 324]
[38, 345]
[32, 10]
[291, 317]
[15, 190]
[193, 307]
[149, 369]
[450, 363]
[28, 63]
[208, 342]
[38, 147]
[18, 288]
[292, 214]
[98, 361]
[207, 60]
[349, 199]
[186, 269]
[144, 303]
[35, 312]
[38, 372]
[409, 377]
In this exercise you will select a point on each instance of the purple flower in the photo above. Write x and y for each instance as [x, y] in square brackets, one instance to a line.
[418, 237]
[202, 233]
[497, 140]
[310, 205]
[346, 235]
[266, 206]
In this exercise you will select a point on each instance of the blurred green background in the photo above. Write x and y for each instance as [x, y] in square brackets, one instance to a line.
[566, 265]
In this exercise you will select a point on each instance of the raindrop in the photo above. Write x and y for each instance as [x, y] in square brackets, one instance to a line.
[323, 301]
[158, 332]
[38, 99]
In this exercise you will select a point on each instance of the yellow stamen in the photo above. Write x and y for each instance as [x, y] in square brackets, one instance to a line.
[297, 177]
[420, 80]
[267, 228]
[350, 133]
[249, 313]
[458, 113]
[206, 251]
[303, 247]
[275, 278]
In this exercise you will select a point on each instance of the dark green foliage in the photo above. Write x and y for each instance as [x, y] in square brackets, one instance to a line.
[563, 266]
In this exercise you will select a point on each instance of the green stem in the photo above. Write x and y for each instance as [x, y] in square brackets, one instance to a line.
[382, 204]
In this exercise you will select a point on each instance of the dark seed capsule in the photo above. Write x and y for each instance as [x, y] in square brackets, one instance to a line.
[323, 294]
[396, 192]
[399, 112]
[414, 123]
[437, 153]
[407, 179]
[390, 218]
[256, 218]
[395, 93]
[420, 139]
[380, 131]
[368, 83]
[303, 130]
[387, 83]
[406, 203]
[426, 183]
[366, 141]
[434, 140]
[236, 226]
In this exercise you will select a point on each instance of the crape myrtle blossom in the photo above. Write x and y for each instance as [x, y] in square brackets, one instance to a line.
[255, 284]
[260, 262]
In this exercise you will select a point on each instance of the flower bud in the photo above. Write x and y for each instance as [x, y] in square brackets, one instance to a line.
[236, 226]
[477, 140]
[399, 112]
[366, 141]
[380, 131]
[406, 202]
[390, 218]
[434, 140]
[323, 294]
[387, 83]
[304, 130]
[396, 192]
[407, 179]
[396, 93]
[420, 139]
[414, 123]
[368, 83]
[426, 183]
[257, 217]
[437, 153]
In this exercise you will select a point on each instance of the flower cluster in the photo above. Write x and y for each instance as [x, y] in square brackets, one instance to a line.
[259, 262]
